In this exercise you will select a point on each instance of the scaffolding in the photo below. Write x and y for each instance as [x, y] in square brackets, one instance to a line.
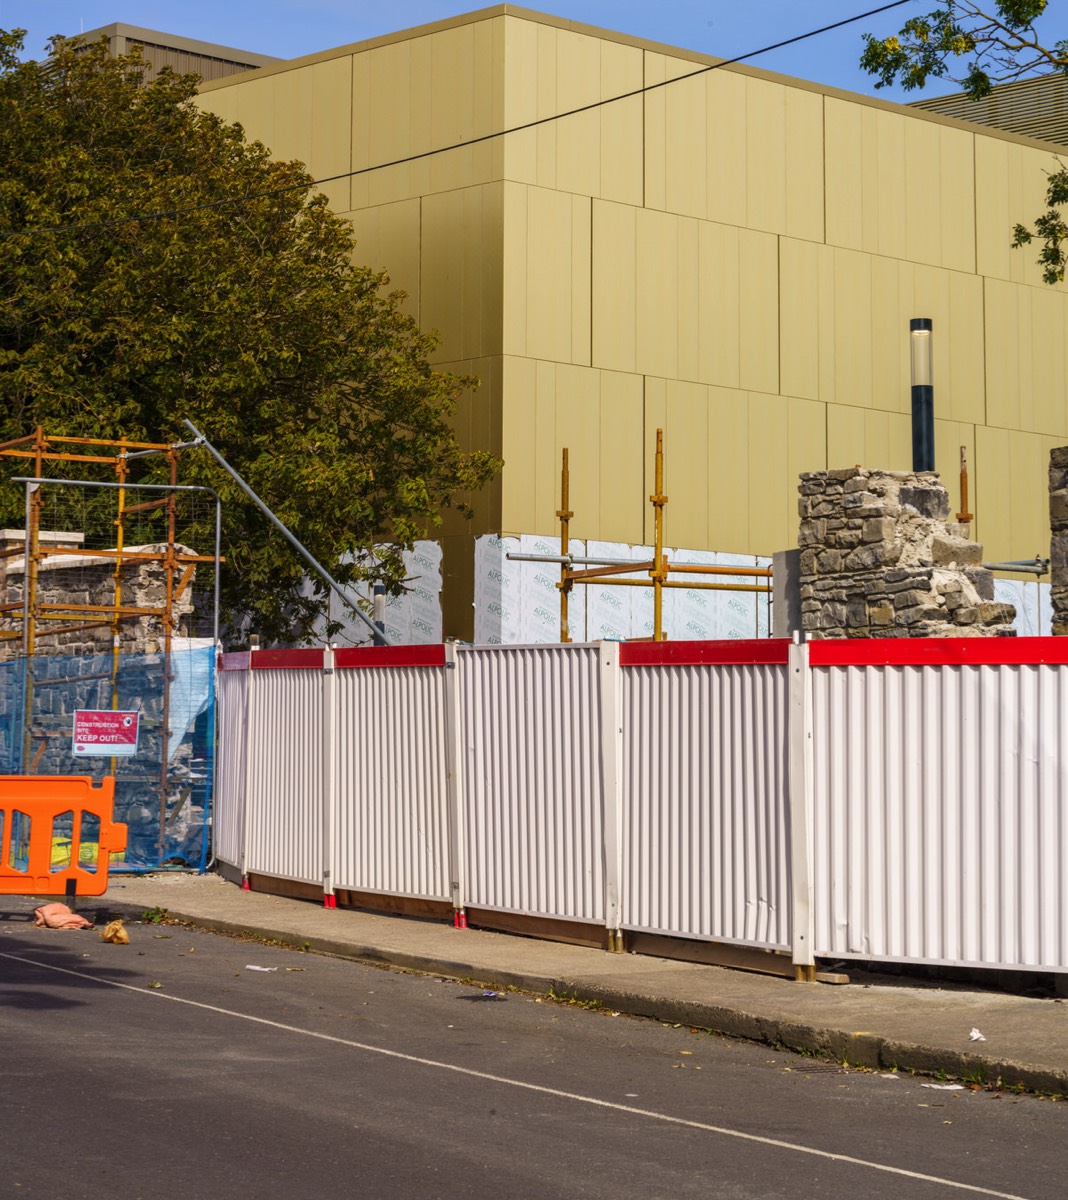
[106, 577]
[609, 571]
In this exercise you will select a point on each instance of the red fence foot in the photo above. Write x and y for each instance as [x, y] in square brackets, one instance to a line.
[329, 900]
[459, 919]
[245, 885]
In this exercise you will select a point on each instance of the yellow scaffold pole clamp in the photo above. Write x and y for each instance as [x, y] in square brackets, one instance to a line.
[659, 572]
[565, 514]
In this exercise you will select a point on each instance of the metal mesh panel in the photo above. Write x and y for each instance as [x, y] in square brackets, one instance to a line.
[162, 789]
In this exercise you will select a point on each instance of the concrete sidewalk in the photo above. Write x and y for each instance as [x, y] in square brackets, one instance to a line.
[913, 1028]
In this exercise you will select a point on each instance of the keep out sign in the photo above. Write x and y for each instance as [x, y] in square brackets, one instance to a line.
[105, 731]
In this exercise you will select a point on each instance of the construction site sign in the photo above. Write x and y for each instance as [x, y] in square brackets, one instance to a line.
[105, 731]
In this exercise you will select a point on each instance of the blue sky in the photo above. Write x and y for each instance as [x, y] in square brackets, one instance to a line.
[289, 28]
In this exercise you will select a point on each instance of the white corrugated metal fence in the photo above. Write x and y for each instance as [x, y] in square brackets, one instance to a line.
[884, 800]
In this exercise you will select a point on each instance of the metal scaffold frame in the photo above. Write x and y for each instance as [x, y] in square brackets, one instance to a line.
[36, 622]
[607, 571]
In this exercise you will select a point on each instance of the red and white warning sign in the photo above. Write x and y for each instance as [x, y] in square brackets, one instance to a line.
[105, 731]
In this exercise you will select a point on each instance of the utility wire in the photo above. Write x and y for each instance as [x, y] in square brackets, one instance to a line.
[475, 141]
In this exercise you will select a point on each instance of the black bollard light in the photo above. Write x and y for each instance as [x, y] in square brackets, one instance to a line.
[922, 354]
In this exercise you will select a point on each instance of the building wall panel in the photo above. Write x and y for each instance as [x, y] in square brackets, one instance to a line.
[388, 238]
[726, 164]
[461, 272]
[551, 70]
[702, 426]
[303, 115]
[1011, 492]
[869, 437]
[615, 286]
[785, 434]
[899, 187]
[1026, 357]
[547, 256]
[1010, 188]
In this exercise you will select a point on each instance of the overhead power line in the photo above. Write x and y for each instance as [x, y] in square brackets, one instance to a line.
[162, 214]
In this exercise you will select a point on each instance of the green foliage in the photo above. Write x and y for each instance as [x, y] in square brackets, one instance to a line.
[1050, 229]
[243, 313]
[974, 43]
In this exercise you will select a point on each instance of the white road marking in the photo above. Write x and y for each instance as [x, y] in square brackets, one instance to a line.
[576, 1097]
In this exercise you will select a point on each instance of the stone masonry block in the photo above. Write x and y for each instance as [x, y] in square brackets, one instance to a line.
[982, 580]
[930, 502]
[878, 529]
[956, 550]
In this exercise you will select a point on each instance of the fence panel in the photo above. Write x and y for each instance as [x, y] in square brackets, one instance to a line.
[391, 832]
[533, 805]
[284, 819]
[705, 823]
[228, 824]
[940, 818]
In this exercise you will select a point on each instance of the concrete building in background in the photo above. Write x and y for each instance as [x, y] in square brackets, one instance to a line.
[183, 55]
[1036, 107]
[733, 257]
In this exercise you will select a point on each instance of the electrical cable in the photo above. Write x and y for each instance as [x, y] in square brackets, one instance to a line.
[306, 184]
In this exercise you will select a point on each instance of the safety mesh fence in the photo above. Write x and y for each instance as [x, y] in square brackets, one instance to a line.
[57, 714]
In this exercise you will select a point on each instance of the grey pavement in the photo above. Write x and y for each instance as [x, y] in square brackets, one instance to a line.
[911, 1028]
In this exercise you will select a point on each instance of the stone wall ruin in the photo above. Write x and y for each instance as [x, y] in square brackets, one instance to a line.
[84, 581]
[879, 559]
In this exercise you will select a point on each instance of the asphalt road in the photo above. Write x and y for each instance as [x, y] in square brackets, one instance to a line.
[169, 1068]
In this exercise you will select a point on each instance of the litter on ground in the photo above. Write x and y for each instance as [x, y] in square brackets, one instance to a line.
[58, 916]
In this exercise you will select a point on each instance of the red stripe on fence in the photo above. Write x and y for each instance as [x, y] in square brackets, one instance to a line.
[390, 656]
[933, 652]
[277, 660]
[234, 660]
[762, 652]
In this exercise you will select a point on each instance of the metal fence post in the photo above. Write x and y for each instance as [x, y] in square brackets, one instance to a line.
[612, 788]
[246, 810]
[454, 785]
[799, 802]
[329, 776]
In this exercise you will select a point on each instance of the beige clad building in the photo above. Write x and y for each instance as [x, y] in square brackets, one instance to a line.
[733, 257]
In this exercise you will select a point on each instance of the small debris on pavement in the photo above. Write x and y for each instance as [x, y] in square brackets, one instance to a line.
[976, 1036]
[945, 1087]
[253, 967]
[889, 1076]
[115, 931]
[58, 916]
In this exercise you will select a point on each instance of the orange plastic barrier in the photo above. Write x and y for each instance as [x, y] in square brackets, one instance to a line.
[57, 835]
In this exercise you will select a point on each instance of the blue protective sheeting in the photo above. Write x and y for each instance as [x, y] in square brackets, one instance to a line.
[163, 790]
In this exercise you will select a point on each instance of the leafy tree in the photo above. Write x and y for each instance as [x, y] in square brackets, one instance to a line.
[977, 45]
[236, 304]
